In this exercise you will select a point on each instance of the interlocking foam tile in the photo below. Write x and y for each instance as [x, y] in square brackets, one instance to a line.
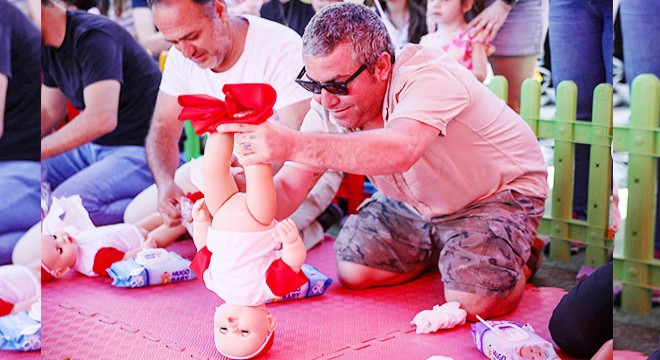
[88, 318]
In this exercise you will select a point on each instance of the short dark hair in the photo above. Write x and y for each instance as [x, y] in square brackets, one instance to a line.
[350, 23]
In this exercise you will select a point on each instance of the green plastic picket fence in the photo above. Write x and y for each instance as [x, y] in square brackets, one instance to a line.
[558, 223]
[636, 267]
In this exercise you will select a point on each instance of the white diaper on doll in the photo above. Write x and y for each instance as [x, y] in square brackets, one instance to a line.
[509, 340]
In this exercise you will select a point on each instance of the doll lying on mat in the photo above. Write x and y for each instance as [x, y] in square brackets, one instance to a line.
[20, 315]
[235, 233]
[70, 241]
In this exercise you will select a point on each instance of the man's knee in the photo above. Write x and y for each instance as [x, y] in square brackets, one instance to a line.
[487, 307]
[356, 276]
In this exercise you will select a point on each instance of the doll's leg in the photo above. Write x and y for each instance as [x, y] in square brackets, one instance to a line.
[165, 235]
[157, 230]
[260, 192]
[219, 185]
[150, 222]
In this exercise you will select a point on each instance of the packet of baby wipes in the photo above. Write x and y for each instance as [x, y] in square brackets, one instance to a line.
[510, 340]
[317, 284]
[150, 267]
[21, 331]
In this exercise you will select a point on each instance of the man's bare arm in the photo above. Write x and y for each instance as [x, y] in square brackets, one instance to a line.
[98, 119]
[162, 143]
[292, 185]
[162, 146]
[388, 150]
[53, 109]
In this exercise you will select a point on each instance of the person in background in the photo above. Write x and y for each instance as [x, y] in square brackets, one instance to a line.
[581, 49]
[405, 20]
[320, 4]
[96, 65]
[146, 32]
[517, 29]
[582, 321]
[447, 26]
[30, 8]
[213, 48]
[292, 13]
[20, 171]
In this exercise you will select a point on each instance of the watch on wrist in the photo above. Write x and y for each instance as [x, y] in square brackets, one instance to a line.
[511, 3]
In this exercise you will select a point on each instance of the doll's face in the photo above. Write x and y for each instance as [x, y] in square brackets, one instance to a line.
[532, 352]
[240, 331]
[59, 252]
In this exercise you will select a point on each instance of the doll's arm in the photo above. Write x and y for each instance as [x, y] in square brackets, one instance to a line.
[219, 184]
[479, 61]
[293, 248]
[260, 192]
[201, 222]
[25, 304]
[164, 235]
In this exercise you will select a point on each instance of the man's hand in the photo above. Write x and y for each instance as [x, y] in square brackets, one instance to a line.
[200, 213]
[287, 232]
[269, 142]
[168, 204]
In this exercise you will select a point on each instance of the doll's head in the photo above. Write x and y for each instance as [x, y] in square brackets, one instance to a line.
[59, 252]
[243, 332]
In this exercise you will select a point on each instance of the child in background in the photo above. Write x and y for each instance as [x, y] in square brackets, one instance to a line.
[91, 251]
[448, 29]
[236, 235]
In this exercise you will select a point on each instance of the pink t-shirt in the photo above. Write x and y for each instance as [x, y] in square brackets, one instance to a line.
[483, 146]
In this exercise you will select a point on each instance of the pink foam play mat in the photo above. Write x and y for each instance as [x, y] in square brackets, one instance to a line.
[88, 318]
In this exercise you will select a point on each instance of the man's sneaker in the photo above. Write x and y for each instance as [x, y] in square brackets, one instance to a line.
[330, 216]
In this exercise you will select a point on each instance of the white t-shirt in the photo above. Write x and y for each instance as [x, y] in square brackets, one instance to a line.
[123, 237]
[18, 283]
[240, 260]
[272, 55]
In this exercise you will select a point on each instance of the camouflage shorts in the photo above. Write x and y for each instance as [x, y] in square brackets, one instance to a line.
[482, 248]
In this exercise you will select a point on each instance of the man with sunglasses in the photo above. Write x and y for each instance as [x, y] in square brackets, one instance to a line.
[461, 177]
[212, 48]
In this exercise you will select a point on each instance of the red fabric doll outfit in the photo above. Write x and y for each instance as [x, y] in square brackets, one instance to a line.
[280, 277]
[244, 103]
[5, 307]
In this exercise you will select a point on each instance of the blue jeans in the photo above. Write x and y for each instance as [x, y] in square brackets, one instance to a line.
[641, 46]
[581, 49]
[19, 208]
[107, 178]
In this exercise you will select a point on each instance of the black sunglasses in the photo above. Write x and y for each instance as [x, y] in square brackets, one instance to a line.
[333, 87]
